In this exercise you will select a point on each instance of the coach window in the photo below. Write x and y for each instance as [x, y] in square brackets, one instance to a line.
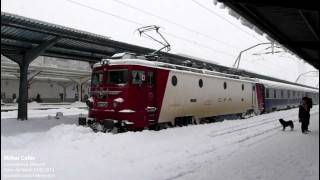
[288, 94]
[150, 79]
[274, 93]
[281, 93]
[138, 77]
[174, 80]
[224, 85]
[267, 93]
[200, 83]
[242, 87]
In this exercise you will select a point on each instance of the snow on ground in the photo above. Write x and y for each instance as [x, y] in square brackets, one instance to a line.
[45, 109]
[42, 106]
[254, 148]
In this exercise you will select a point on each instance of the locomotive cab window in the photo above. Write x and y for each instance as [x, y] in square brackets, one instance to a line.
[96, 78]
[224, 85]
[138, 77]
[117, 76]
[150, 79]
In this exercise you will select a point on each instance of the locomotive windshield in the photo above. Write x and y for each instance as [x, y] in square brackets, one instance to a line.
[118, 76]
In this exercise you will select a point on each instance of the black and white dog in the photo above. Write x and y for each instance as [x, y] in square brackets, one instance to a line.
[286, 123]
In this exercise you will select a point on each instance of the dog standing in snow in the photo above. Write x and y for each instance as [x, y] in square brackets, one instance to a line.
[286, 123]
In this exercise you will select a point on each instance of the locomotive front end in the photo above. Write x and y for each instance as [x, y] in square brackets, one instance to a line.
[115, 100]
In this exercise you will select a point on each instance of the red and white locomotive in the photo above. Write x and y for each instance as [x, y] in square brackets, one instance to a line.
[132, 93]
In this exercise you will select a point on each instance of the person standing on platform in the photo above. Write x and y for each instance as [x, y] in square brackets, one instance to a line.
[304, 114]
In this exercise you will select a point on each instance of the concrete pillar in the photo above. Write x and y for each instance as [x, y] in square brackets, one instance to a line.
[64, 86]
[79, 83]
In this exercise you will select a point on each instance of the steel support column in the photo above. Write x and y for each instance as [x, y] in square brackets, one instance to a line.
[24, 62]
[23, 92]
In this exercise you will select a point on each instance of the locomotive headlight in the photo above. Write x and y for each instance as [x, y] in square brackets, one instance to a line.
[115, 104]
[117, 101]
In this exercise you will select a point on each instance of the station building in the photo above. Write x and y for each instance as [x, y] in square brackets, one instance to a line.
[49, 80]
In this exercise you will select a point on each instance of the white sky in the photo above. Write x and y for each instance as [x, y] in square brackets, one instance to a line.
[201, 32]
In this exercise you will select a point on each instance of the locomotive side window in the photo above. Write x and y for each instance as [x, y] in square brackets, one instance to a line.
[224, 85]
[200, 83]
[150, 79]
[138, 77]
[96, 78]
[118, 76]
[174, 80]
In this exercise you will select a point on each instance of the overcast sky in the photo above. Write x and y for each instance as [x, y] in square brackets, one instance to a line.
[194, 27]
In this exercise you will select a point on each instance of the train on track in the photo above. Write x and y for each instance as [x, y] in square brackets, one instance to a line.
[129, 92]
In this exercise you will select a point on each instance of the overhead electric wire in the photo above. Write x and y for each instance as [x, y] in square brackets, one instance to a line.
[198, 44]
[105, 12]
[176, 24]
[221, 17]
[140, 24]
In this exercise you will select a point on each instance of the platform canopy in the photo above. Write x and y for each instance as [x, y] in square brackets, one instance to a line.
[294, 24]
[19, 34]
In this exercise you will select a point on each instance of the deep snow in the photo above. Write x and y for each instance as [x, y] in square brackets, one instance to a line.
[253, 148]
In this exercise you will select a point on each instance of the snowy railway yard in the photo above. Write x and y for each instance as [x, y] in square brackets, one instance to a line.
[246, 149]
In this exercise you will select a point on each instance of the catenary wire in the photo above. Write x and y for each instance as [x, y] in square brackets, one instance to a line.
[176, 24]
[221, 17]
[140, 24]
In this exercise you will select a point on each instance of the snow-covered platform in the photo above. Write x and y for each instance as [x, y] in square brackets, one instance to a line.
[254, 148]
[42, 106]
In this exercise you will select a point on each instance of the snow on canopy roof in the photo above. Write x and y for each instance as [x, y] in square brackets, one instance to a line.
[273, 84]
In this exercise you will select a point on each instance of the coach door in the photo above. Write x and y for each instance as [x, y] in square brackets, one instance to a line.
[260, 96]
[254, 96]
[151, 107]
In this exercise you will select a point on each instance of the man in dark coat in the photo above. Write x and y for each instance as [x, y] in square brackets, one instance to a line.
[304, 114]
[309, 105]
